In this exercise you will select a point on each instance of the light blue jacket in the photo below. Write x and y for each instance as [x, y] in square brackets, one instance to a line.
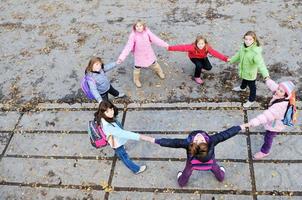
[120, 136]
[100, 83]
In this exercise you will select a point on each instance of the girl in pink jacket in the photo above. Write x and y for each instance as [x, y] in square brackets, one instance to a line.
[139, 43]
[273, 116]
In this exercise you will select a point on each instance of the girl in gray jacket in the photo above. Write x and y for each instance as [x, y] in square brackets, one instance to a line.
[98, 82]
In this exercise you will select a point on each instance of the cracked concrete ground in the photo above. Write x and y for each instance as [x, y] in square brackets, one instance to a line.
[45, 46]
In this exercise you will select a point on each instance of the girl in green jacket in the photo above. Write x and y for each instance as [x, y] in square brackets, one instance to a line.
[250, 61]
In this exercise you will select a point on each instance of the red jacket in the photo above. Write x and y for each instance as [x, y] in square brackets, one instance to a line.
[194, 52]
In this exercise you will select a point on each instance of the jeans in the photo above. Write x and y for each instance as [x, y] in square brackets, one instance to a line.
[268, 141]
[201, 63]
[122, 154]
[111, 91]
[187, 172]
[252, 86]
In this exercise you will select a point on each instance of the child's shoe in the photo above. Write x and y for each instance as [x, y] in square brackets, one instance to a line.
[198, 80]
[222, 169]
[136, 77]
[260, 155]
[141, 169]
[179, 174]
[248, 104]
[238, 89]
[120, 95]
[158, 70]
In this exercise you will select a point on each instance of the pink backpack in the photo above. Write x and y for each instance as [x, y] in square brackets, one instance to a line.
[96, 135]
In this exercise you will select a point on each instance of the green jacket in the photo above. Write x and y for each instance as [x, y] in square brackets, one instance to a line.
[250, 61]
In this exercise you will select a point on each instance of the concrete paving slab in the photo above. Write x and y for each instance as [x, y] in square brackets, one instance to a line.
[8, 120]
[4, 137]
[233, 148]
[162, 174]
[279, 176]
[285, 147]
[26, 193]
[182, 120]
[278, 197]
[54, 171]
[148, 195]
[72, 106]
[185, 104]
[43, 144]
[173, 196]
[57, 120]
[253, 113]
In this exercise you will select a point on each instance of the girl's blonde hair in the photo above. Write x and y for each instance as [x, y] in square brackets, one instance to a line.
[253, 35]
[198, 38]
[139, 22]
[93, 60]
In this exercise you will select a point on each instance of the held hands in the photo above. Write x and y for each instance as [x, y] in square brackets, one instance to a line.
[228, 60]
[267, 78]
[146, 138]
[119, 61]
[244, 126]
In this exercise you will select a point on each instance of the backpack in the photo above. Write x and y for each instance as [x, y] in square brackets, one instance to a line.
[85, 86]
[97, 135]
[290, 116]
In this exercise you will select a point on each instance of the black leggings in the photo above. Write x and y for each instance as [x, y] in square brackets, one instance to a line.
[111, 91]
[252, 86]
[201, 63]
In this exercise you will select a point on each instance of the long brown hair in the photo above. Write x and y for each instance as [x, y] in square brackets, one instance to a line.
[93, 60]
[198, 38]
[198, 150]
[253, 35]
[104, 105]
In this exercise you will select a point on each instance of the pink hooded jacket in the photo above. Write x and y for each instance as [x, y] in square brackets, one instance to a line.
[140, 44]
[271, 118]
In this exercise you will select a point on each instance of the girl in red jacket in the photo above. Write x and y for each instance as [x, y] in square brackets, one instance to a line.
[197, 53]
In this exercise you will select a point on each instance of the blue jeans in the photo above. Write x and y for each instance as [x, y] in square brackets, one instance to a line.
[122, 154]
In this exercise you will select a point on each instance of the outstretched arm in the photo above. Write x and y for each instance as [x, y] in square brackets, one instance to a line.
[156, 40]
[129, 46]
[224, 135]
[172, 143]
[146, 138]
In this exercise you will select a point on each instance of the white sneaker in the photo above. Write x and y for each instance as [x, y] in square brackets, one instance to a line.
[141, 169]
[179, 174]
[248, 104]
[222, 169]
[238, 89]
[120, 95]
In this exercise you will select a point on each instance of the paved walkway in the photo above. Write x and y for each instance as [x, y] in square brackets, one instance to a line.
[46, 155]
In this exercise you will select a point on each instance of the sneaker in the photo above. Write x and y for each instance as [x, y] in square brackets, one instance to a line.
[260, 155]
[141, 169]
[222, 169]
[179, 174]
[238, 89]
[198, 80]
[248, 104]
[121, 95]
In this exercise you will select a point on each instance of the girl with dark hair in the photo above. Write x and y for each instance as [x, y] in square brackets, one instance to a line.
[117, 136]
[200, 149]
[197, 53]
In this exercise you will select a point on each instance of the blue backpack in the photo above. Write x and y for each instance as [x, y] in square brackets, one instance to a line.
[85, 86]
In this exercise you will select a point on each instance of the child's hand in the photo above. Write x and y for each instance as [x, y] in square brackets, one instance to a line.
[267, 78]
[119, 61]
[244, 126]
[147, 138]
[228, 60]
[167, 47]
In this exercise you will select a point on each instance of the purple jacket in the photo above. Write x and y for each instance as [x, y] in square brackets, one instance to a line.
[212, 141]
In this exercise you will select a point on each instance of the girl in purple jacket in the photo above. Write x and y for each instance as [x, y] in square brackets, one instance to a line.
[273, 116]
[200, 149]
[140, 44]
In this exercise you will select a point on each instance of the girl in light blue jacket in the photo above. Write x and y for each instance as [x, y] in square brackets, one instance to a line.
[117, 136]
[99, 84]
